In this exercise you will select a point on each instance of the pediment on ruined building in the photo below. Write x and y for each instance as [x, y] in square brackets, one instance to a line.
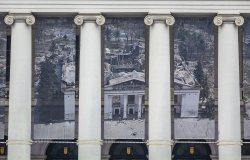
[131, 84]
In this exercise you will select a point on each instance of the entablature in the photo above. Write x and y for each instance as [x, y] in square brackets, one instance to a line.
[128, 7]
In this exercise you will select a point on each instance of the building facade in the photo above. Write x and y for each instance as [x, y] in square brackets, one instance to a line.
[116, 80]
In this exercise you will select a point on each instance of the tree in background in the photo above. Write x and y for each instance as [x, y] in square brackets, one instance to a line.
[49, 92]
[202, 80]
[182, 36]
[108, 33]
[48, 82]
[183, 51]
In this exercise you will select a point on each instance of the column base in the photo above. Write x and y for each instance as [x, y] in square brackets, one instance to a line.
[229, 150]
[89, 149]
[159, 152]
[19, 151]
[160, 149]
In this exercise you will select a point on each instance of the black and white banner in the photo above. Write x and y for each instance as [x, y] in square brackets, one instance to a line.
[246, 78]
[124, 78]
[54, 78]
[3, 69]
[194, 78]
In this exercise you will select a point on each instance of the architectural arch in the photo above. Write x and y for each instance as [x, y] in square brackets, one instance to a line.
[62, 151]
[191, 151]
[128, 150]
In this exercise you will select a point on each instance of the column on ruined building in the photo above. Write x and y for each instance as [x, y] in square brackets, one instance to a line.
[125, 106]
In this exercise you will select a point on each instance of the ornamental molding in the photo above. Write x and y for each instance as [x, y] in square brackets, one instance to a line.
[230, 142]
[27, 18]
[151, 18]
[160, 142]
[80, 19]
[96, 142]
[220, 19]
[19, 142]
[119, 7]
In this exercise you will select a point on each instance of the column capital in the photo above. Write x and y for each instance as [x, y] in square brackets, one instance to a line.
[151, 18]
[29, 19]
[220, 19]
[81, 18]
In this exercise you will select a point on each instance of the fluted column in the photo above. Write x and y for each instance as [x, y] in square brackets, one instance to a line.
[228, 87]
[159, 86]
[89, 136]
[19, 129]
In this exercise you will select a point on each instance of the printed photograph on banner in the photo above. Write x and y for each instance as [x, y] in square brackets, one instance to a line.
[246, 79]
[194, 78]
[124, 78]
[3, 76]
[54, 78]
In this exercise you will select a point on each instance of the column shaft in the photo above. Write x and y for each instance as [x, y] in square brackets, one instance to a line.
[89, 147]
[19, 129]
[228, 93]
[159, 90]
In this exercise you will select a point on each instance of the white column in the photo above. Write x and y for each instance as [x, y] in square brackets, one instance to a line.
[139, 105]
[108, 106]
[69, 104]
[19, 129]
[125, 106]
[89, 135]
[228, 87]
[159, 86]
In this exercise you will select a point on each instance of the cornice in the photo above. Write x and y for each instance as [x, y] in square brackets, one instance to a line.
[119, 6]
